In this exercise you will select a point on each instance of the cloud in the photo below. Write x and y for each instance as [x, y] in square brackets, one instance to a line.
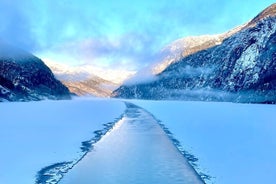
[127, 50]
[14, 24]
[143, 76]
[112, 33]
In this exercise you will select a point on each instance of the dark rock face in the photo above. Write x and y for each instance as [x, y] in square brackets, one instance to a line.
[23, 77]
[241, 69]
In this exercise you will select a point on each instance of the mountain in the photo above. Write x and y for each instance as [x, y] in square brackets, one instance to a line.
[24, 77]
[238, 67]
[184, 47]
[94, 86]
[82, 80]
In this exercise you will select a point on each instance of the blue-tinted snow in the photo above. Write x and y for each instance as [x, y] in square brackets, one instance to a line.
[35, 135]
[235, 143]
[135, 151]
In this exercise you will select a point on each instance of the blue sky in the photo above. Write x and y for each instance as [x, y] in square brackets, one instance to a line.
[118, 33]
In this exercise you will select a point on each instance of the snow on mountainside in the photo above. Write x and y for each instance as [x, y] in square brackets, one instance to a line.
[241, 69]
[189, 45]
[24, 77]
[89, 80]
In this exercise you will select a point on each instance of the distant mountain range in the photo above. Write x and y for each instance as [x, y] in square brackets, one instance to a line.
[24, 77]
[237, 66]
[89, 80]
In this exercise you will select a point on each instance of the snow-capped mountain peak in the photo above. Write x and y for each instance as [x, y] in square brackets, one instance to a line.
[189, 45]
[83, 72]
[89, 80]
[237, 66]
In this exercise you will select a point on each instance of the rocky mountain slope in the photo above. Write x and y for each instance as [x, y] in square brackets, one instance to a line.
[82, 80]
[184, 47]
[24, 77]
[242, 68]
[94, 86]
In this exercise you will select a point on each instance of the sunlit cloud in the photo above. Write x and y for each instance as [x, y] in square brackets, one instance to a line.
[114, 33]
[128, 50]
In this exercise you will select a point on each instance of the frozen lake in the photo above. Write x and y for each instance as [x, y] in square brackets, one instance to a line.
[136, 151]
[50, 141]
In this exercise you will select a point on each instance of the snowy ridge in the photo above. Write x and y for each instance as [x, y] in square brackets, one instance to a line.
[184, 47]
[177, 50]
[89, 80]
[87, 71]
[52, 174]
[240, 69]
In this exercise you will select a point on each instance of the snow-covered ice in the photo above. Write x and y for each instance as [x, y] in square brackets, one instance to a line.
[34, 135]
[235, 143]
[136, 151]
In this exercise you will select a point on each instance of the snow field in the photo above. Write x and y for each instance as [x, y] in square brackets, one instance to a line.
[235, 143]
[34, 135]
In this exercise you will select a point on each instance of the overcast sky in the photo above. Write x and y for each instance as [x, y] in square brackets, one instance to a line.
[109, 33]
